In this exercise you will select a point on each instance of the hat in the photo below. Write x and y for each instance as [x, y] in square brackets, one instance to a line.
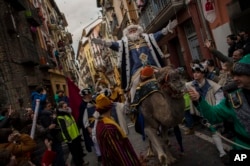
[103, 104]
[107, 92]
[242, 67]
[85, 91]
[198, 67]
[147, 72]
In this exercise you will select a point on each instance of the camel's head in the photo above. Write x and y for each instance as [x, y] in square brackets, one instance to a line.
[172, 81]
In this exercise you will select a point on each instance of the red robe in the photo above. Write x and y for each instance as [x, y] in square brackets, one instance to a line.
[115, 146]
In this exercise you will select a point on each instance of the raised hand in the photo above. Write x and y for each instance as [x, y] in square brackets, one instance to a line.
[172, 24]
[194, 95]
[169, 28]
[208, 44]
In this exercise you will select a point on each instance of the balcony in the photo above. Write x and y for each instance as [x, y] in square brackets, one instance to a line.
[29, 52]
[31, 80]
[123, 25]
[53, 27]
[18, 5]
[157, 13]
[33, 17]
[45, 62]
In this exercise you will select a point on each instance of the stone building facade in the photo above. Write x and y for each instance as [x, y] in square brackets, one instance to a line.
[26, 59]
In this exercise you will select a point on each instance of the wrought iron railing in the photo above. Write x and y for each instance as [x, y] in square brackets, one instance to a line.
[151, 11]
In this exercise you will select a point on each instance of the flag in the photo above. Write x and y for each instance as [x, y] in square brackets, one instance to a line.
[209, 10]
[74, 98]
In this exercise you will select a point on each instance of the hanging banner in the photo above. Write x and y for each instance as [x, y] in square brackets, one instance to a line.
[209, 10]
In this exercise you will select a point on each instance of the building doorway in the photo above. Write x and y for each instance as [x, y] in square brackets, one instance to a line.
[192, 40]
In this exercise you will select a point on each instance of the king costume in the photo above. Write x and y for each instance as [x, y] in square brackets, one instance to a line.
[132, 56]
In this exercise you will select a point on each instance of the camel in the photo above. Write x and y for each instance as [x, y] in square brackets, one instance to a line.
[163, 108]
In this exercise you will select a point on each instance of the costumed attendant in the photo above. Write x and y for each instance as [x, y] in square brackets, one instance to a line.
[235, 106]
[115, 146]
[117, 111]
[88, 121]
[135, 50]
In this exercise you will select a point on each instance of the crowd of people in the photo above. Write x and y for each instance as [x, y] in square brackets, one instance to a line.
[219, 96]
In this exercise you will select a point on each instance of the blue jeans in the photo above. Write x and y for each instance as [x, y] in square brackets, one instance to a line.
[189, 119]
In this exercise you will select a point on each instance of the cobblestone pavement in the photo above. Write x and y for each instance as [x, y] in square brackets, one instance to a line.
[198, 149]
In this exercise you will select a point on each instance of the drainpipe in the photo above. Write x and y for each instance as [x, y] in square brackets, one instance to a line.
[204, 22]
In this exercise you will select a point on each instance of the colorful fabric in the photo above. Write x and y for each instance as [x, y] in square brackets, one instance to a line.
[75, 98]
[103, 103]
[116, 149]
[37, 96]
[220, 112]
[187, 101]
[242, 108]
[129, 59]
[70, 132]
[143, 90]
[48, 158]
[111, 121]
[147, 71]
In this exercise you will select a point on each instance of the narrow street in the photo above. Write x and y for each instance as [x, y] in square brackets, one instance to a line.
[198, 148]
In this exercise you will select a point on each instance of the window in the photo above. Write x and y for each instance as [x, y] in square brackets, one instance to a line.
[57, 86]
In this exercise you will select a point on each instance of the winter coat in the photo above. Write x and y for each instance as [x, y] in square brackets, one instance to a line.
[21, 149]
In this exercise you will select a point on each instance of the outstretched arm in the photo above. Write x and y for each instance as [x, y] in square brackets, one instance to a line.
[168, 29]
[112, 45]
[223, 58]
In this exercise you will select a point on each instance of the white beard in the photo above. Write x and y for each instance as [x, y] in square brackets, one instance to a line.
[134, 36]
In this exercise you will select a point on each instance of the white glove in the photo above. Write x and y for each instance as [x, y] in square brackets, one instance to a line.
[169, 28]
[101, 42]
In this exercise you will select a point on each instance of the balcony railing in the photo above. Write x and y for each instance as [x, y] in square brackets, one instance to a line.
[33, 17]
[18, 5]
[45, 62]
[29, 52]
[157, 13]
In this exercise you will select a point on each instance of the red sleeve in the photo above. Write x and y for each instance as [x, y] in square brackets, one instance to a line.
[48, 157]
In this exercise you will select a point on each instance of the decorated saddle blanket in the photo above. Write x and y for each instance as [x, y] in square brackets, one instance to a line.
[143, 90]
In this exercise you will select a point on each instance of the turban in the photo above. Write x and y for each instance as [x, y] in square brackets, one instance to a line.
[147, 72]
[103, 104]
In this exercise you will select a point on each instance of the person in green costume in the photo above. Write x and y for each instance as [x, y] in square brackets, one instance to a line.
[235, 106]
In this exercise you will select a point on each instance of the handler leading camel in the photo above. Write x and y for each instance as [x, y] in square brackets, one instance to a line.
[135, 50]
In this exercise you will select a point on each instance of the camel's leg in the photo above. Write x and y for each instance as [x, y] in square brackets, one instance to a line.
[170, 157]
[178, 137]
[150, 152]
[151, 133]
